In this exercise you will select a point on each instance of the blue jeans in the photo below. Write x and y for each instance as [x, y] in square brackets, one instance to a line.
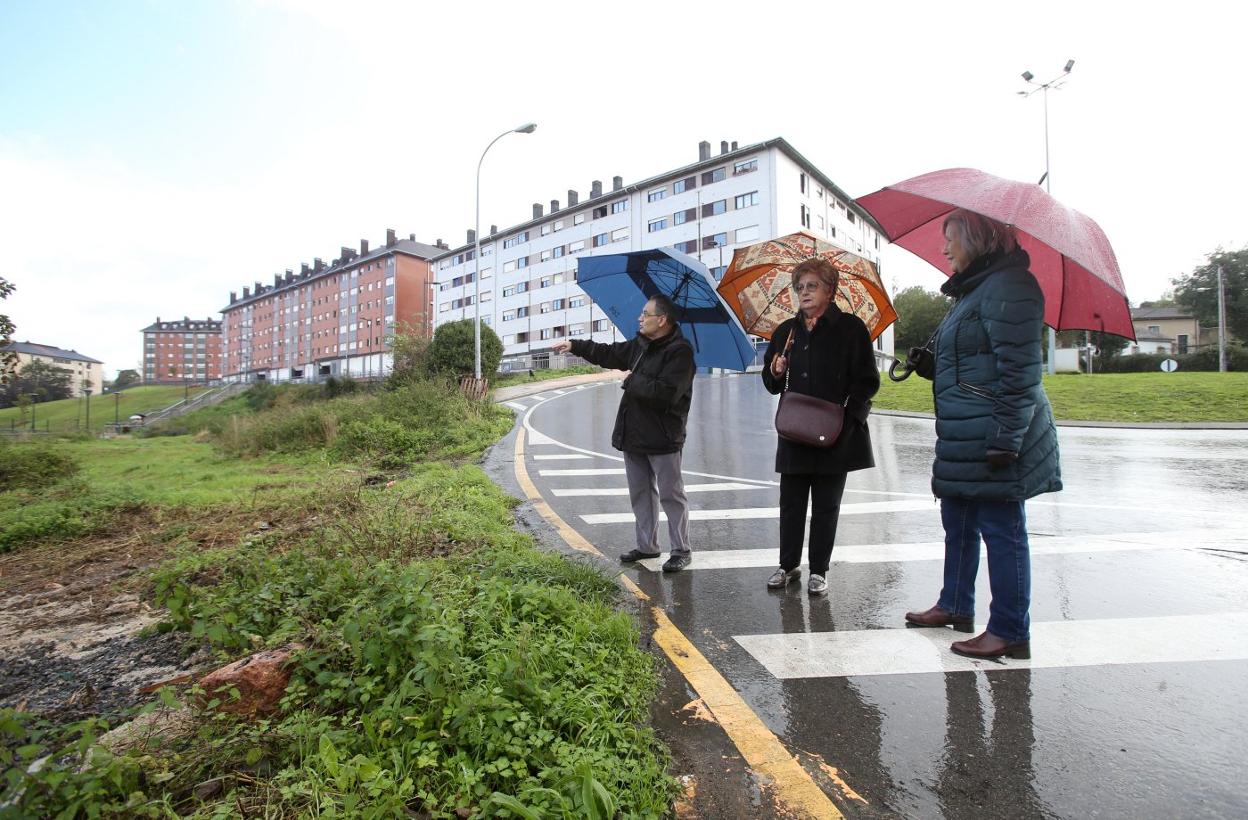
[1003, 525]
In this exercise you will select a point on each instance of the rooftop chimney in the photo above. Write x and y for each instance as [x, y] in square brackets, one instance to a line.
[537, 210]
[704, 150]
[290, 275]
[734, 145]
[595, 189]
[246, 294]
[277, 279]
[573, 198]
[411, 237]
[472, 236]
[317, 264]
[554, 206]
[233, 297]
[347, 254]
[304, 269]
[256, 290]
[390, 238]
[617, 183]
[723, 146]
[363, 247]
[493, 230]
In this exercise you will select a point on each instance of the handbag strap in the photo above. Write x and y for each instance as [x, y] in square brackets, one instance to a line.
[789, 368]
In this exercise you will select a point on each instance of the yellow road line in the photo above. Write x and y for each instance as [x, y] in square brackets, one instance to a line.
[788, 780]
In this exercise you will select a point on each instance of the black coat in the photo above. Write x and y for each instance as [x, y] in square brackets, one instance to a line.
[832, 362]
[657, 393]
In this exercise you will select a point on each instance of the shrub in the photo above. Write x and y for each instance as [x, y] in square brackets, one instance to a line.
[452, 352]
[1203, 360]
[31, 466]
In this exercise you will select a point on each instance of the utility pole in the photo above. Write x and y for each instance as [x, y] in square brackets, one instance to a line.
[1221, 322]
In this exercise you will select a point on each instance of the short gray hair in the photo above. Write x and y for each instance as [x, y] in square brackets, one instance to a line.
[979, 235]
[821, 267]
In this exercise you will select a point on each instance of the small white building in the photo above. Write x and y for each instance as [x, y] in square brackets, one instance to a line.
[707, 209]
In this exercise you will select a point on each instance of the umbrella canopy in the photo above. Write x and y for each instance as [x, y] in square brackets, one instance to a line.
[757, 285]
[622, 283]
[1070, 255]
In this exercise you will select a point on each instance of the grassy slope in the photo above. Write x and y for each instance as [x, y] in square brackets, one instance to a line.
[1130, 397]
[70, 414]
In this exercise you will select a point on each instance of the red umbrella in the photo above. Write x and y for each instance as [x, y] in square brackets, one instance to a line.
[1070, 254]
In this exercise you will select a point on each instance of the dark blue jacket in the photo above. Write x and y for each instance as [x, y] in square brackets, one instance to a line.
[987, 386]
[657, 393]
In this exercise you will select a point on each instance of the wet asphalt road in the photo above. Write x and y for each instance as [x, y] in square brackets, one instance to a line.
[1135, 702]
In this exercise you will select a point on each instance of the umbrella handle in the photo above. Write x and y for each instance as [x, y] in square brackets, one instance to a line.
[892, 371]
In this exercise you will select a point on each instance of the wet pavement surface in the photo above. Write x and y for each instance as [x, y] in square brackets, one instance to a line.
[1134, 701]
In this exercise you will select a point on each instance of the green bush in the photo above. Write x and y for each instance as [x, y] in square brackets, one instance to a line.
[71, 511]
[1203, 360]
[452, 352]
[35, 465]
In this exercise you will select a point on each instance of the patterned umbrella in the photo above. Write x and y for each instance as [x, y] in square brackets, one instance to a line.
[758, 284]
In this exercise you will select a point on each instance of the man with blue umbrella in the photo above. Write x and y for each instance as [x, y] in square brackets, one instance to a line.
[650, 424]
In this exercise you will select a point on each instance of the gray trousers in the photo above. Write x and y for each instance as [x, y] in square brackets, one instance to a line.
[655, 480]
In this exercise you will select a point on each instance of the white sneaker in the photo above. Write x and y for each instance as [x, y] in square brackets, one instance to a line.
[817, 585]
[781, 578]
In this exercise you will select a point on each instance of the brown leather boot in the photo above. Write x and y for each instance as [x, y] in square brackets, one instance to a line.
[987, 645]
[941, 617]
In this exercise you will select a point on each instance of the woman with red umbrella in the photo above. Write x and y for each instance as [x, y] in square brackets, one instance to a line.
[996, 445]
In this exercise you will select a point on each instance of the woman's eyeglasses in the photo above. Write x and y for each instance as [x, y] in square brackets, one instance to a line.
[807, 287]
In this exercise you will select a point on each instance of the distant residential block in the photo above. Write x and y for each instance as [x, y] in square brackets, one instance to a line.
[86, 374]
[181, 351]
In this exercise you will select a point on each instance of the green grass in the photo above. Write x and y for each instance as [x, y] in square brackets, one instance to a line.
[523, 377]
[69, 415]
[1123, 397]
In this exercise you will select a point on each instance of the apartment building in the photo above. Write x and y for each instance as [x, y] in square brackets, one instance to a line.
[185, 350]
[86, 374]
[331, 319]
[706, 209]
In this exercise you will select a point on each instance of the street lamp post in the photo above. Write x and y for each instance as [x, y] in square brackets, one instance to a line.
[527, 128]
[1221, 323]
[116, 409]
[1055, 84]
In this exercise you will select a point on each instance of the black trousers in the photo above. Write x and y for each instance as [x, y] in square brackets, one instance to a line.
[825, 493]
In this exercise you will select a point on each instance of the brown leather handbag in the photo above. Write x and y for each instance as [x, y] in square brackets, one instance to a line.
[805, 419]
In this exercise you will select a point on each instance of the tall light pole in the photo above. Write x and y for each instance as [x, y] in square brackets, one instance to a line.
[1055, 83]
[1221, 323]
[527, 128]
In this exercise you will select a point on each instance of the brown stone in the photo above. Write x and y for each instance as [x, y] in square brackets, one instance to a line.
[260, 679]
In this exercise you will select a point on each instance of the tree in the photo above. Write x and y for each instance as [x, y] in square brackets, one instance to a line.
[451, 352]
[39, 379]
[7, 358]
[125, 378]
[1198, 290]
[919, 311]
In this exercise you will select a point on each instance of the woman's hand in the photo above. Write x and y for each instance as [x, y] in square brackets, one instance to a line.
[561, 346]
[779, 364]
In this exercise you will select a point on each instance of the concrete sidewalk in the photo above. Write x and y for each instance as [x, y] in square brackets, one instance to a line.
[517, 391]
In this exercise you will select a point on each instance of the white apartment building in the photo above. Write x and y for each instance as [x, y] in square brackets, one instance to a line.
[738, 197]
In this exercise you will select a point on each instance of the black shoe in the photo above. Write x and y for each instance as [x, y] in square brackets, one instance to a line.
[637, 555]
[676, 563]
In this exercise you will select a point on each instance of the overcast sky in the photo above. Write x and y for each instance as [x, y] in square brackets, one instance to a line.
[156, 155]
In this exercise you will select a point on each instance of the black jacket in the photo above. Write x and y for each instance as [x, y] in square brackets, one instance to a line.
[832, 362]
[657, 392]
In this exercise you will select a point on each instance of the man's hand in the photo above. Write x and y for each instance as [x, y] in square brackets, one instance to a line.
[561, 346]
[778, 365]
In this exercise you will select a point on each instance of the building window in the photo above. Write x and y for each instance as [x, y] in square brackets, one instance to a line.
[508, 315]
[681, 217]
[600, 212]
[557, 251]
[802, 182]
[718, 272]
[600, 325]
[656, 194]
[745, 200]
[544, 307]
[508, 267]
[714, 176]
[576, 247]
[511, 291]
[656, 225]
[546, 255]
[805, 217]
[578, 219]
[522, 311]
[714, 241]
[686, 184]
[619, 207]
[850, 216]
[576, 301]
[747, 234]
[556, 304]
[619, 234]
[745, 167]
[687, 247]
[1182, 343]
[1155, 329]
[600, 240]
[545, 282]
[521, 287]
[715, 208]
[819, 222]
[559, 225]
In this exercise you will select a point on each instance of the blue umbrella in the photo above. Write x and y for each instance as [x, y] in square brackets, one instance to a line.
[622, 283]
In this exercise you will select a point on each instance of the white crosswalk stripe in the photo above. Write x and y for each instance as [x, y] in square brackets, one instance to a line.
[1168, 639]
[617, 491]
[583, 472]
[560, 457]
[744, 513]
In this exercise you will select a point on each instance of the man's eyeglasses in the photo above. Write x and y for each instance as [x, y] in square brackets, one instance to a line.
[651, 315]
[807, 287]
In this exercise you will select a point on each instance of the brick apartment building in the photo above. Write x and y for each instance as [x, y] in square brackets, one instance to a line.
[330, 320]
[185, 350]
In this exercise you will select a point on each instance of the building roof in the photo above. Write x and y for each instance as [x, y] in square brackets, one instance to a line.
[408, 246]
[1168, 312]
[33, 349]
[184, 324]
[700, 165]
